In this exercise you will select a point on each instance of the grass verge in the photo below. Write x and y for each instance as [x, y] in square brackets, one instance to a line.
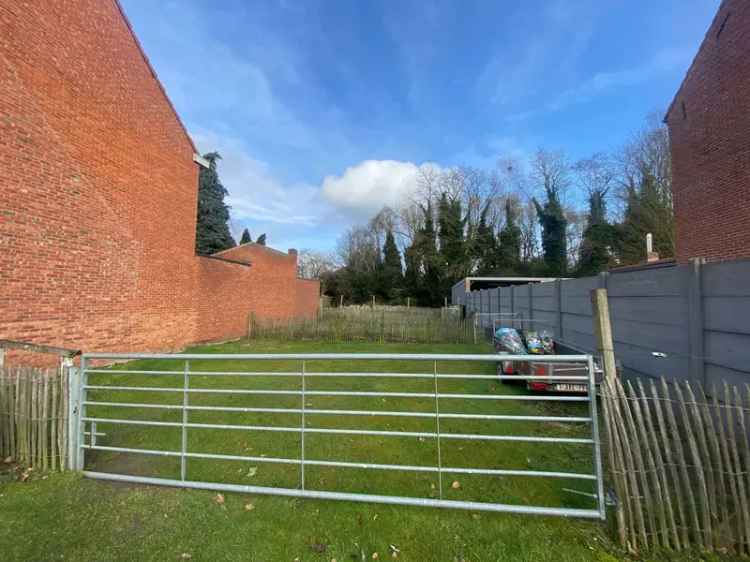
[67, 517]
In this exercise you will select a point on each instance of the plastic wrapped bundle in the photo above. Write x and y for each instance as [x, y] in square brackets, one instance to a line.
[509, 340]
[548, 341]
[534, 343]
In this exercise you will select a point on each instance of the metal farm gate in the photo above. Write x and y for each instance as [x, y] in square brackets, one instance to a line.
[92, 388]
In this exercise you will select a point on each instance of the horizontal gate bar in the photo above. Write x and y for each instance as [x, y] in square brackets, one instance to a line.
[283, 429]
[341, 393]
[249, 410]
[571, 371]
[343, 464]
[350, 375]
[372, 498]
[339, 356]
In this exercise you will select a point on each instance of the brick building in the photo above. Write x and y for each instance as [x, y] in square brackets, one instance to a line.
[98, 198]
[709, 126]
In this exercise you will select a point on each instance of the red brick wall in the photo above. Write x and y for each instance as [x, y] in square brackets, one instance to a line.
[711, 142]
[99, 195]
[308, 297]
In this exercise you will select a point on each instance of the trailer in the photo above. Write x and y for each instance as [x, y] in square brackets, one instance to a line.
[550, 370]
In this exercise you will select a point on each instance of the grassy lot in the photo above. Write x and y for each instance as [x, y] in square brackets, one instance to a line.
[67, 517]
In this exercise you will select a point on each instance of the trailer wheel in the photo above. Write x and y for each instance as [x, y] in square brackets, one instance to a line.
[501, 374]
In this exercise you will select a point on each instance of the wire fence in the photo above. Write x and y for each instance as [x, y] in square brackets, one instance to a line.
[371, 324]
[680, 465]
[34, 417]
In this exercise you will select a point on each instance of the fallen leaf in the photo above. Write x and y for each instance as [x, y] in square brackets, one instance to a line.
[8, 460]
[186, 556]
[219, 499]
[252, 471]
[456, 485]
[320, 548]
[249, 506]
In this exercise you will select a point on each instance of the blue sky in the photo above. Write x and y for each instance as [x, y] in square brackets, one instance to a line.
[323, 111]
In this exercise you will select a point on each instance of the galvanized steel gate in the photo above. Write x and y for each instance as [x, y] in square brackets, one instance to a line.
[84, 388]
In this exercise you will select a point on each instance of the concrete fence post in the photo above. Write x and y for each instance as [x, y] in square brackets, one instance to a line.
[531, 306]
[558, 299]
[696, 345]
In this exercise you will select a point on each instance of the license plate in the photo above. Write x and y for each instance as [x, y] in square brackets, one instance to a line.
[570, 387]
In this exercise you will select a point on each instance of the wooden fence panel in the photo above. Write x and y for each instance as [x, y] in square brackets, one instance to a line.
[680, 466]
[33, 417]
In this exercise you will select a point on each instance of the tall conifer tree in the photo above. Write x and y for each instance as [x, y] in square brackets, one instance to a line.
[213, 214]
[392, 275]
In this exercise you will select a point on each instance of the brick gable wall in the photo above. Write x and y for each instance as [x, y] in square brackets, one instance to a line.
[709, 125]
[99, 195]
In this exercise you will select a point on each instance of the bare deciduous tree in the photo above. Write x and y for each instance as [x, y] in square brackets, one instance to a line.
[311, 264]
[358, 249]
[597, 174]
[550, 171]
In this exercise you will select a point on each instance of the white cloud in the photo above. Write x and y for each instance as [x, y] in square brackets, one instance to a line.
[603, 83]
[365, 188]
[291, 212]
[254, 193]
[257, 195]
[666, 60]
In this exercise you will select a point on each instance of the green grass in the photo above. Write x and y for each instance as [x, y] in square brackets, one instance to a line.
[71, 518]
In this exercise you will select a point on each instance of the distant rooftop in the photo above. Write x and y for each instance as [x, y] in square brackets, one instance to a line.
[470, 283]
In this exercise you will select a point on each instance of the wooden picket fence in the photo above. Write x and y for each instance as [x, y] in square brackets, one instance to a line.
[34, 417]
[679, 461]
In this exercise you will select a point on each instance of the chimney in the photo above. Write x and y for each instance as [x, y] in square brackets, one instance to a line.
[651, 256]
